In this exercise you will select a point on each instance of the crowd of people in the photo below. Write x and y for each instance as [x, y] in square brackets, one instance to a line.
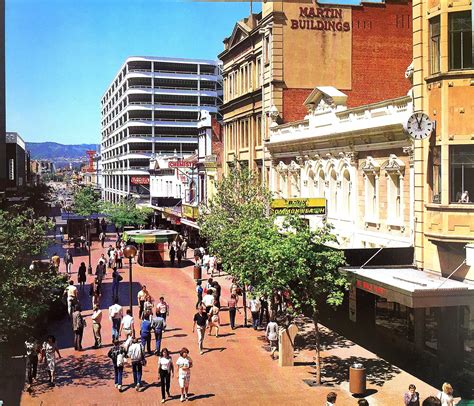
[132, 341]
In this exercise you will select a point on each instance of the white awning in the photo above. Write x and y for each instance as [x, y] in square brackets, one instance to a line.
[411, 287]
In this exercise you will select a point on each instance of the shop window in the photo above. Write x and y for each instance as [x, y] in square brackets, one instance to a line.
[467, 333]
[431, 329]
[395, 317]
[461, 162]
[435, 180]
[434, 45]
[460, 40]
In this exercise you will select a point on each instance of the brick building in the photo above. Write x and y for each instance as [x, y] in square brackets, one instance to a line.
[273, 60]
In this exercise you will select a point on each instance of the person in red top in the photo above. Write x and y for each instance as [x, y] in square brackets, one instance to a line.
[233, 309]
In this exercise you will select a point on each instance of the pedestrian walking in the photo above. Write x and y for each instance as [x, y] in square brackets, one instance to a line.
[254, 306]
[217, 292]
[120, 257]
[184, 364]
[208, 300]
[61, 233]
[117, 354]
[205, 262]
[102, 239]
[55, 260]
[412, 397]
[78, 325]
[179, 256]
[71, 297]
[199, 291]
[95, 291]
[68, 261]
[233, 309]
[212, 264]
[158, 325]
[145, 334]
[331, 399]
[165, 372]
[115, 315]
[48, 354]
[32, 350]
[141, 297]
[163, 308]
[234, 290]
[184, 248]
[214, 319]
[148, 308]
[116, 278]
[264, 313]
[272, 336]
[103, 225]
[100, 272]
[172, 255]
[127, 325]
[446, 395]
[96, 318]
[200, 324]
[136, 354]
[82, 276]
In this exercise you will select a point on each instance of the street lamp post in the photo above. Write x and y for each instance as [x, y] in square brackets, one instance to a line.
[129, 252]
[89, 245]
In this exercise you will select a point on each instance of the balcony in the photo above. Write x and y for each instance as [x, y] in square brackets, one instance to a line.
[450, 222]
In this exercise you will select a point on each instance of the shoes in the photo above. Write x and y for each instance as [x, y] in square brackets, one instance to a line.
[116, 385]
[162, 401]
[119, 387]
[168, 394]
[201, 352]
[137, 388]
[182, 398]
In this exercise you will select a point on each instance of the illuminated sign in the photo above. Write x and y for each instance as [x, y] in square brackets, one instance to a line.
[181, 164]
[139, 180]
[371, 287]
[320, 19]
[299, 206]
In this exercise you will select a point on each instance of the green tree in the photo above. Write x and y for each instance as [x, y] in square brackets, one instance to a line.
[126, 213]
[87, 201]
[26, 294]
[273, 255]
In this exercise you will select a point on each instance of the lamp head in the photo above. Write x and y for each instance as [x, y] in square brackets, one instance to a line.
[130, 251]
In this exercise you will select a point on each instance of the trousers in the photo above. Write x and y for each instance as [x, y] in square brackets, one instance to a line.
[165, 379]
[201, 332]
[137, 372]
[97, 337]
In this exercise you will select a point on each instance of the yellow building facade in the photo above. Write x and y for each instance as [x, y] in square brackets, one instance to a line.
[444, 162]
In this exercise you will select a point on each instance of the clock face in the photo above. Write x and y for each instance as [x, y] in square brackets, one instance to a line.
[419, 126]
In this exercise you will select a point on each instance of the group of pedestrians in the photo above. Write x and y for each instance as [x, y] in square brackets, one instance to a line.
[177, 250]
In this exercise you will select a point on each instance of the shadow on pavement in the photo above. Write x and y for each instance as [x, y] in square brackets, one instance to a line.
[335, 370]
[193, 397]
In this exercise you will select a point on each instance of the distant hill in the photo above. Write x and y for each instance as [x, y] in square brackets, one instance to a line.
[54, 151]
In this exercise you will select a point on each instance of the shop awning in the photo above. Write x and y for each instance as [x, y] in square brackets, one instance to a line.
[149, 236]
[411, 287]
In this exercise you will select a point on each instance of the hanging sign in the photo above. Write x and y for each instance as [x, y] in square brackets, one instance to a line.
[299, 205]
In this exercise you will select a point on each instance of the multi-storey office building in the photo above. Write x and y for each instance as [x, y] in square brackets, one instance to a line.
[150, 108]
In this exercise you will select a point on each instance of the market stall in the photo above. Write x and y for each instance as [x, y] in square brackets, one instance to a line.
[151, 244]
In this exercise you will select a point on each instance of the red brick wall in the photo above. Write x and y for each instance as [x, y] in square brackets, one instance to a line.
[381, 52]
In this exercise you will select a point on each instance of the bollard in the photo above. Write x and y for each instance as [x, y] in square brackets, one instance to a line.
[357, 379]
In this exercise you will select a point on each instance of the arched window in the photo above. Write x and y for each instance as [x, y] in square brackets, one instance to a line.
[394, 201]
[321, 184]
[346, 192]
[310, 188]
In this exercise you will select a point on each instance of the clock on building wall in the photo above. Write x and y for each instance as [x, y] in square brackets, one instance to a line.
[419, 126]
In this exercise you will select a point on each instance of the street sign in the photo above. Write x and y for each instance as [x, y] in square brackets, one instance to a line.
[181, 164]
[299, 205]
[140, 180]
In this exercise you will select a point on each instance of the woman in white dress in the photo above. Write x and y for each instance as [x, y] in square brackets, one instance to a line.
[49, 352]
[184, 364]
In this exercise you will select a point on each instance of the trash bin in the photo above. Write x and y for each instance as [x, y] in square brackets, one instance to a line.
[357, 379]
[197, 272]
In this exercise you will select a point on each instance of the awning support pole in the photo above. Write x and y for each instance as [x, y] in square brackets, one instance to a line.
[452, 273]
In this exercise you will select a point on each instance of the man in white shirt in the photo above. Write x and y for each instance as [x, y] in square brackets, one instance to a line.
[254, 306]
[115, 315]
[127, 325]
[71, 295]
[96, 326]
[208, 300]
[137, 357]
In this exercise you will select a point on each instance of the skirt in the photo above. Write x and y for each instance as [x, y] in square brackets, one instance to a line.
[183, 378]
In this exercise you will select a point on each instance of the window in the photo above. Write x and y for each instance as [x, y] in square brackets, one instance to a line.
[435, 180]
[394, 203]
[321, 184]
[311, 182]
[431, 328]
[371, 208]
[258, 73]
[460, 40]
[346, 193]
[332, 193]
[266, 43]
[434, 45]
[258, 130]
[461, 162]
[395, 317]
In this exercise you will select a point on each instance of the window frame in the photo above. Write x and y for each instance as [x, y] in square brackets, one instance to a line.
[464, 33]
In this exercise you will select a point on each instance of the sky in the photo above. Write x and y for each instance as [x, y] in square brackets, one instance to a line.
[61, 55]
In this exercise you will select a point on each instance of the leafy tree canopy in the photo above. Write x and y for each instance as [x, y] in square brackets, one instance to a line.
[87, 201]
[126, 213]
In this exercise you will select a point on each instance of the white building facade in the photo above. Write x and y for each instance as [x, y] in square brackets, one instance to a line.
[358, 159]
[152, 107]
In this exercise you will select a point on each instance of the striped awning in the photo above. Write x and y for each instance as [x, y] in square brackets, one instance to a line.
[149, 236]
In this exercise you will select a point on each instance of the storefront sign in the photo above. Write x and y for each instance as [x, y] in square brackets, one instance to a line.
[181, 164]
[191, 212]
[140, 180]
[320, 19]
[372, 288]
[299, 206]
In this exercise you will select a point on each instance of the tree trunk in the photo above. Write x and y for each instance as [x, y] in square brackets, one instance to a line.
[244, 301]
[317, 358]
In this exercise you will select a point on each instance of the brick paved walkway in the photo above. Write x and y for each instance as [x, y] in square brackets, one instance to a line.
[236, 368]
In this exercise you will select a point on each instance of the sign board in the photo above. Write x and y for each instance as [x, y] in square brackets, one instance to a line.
[371, 288]
[140, 180]
[191, 212]
[181, 164]
[299, 205]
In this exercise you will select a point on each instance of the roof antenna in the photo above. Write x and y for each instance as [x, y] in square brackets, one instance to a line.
[251, 11]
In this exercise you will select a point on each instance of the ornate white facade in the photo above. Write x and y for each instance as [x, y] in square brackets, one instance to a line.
[359, 159]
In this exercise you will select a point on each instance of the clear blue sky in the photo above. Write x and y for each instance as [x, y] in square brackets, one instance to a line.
[62, 54]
